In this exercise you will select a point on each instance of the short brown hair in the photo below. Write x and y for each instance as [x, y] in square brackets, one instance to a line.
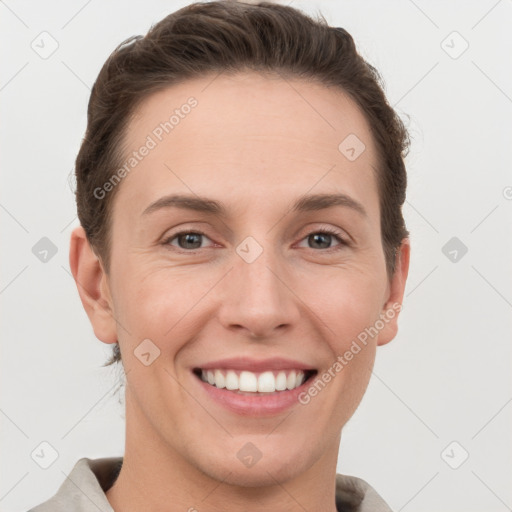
[230, 36]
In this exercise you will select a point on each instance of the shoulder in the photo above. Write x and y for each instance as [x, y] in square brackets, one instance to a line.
[84, 488]
[354, 494]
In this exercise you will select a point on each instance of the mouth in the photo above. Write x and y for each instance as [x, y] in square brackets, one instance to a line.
[242, 382]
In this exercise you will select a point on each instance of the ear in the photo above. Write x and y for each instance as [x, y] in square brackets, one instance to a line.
[93, 288]
[393, 304]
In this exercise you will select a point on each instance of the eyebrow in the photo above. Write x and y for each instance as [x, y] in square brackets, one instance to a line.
[304, 203]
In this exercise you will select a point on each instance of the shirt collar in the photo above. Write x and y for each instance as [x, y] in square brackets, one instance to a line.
[85, 487]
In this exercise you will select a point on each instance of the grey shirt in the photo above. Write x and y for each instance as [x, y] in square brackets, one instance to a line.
[85, 487]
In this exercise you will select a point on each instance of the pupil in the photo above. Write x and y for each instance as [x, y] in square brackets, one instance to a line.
[189, 238]
[320, 235]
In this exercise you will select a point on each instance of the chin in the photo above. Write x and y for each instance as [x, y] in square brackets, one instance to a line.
[260, 475]
[251, 468]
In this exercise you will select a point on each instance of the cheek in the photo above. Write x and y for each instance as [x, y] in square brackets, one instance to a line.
[159, 303]
[346, 302]
[347, 309]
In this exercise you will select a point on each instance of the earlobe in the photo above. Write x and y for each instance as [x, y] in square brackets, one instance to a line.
[393, 305]
[92, 284]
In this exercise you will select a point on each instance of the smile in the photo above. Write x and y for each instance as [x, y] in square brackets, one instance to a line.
[254, 383]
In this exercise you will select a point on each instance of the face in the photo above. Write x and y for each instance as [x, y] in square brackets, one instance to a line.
[257, 278]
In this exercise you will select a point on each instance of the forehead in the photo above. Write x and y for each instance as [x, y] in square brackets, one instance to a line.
[249, 132]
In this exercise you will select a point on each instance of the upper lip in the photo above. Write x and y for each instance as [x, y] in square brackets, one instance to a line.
[256, 365]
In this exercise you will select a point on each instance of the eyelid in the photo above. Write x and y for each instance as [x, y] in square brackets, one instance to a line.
[167, 239]
[344, 239]
[318, 227]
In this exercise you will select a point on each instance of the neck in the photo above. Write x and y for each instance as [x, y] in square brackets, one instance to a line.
[155, 476]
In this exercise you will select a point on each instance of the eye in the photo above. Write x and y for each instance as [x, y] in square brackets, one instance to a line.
[324, 236]
[186, 239]
[191, 240]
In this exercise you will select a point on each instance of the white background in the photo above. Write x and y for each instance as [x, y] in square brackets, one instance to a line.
[447, 375]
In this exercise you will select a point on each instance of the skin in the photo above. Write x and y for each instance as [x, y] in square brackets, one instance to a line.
[255, 143]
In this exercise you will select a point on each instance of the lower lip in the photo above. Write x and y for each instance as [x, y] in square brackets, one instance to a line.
[255, 404]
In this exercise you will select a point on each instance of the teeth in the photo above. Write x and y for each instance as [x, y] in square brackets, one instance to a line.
[281, 381]
[290, 381]
[220, 381]
[266, 382]
[231, 381]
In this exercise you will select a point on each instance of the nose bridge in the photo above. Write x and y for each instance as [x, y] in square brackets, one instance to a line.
[258, 298]
[258, 268]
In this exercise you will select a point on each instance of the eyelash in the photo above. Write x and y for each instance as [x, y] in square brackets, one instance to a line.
[323, 231]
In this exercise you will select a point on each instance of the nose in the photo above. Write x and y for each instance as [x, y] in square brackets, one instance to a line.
[258, 298]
